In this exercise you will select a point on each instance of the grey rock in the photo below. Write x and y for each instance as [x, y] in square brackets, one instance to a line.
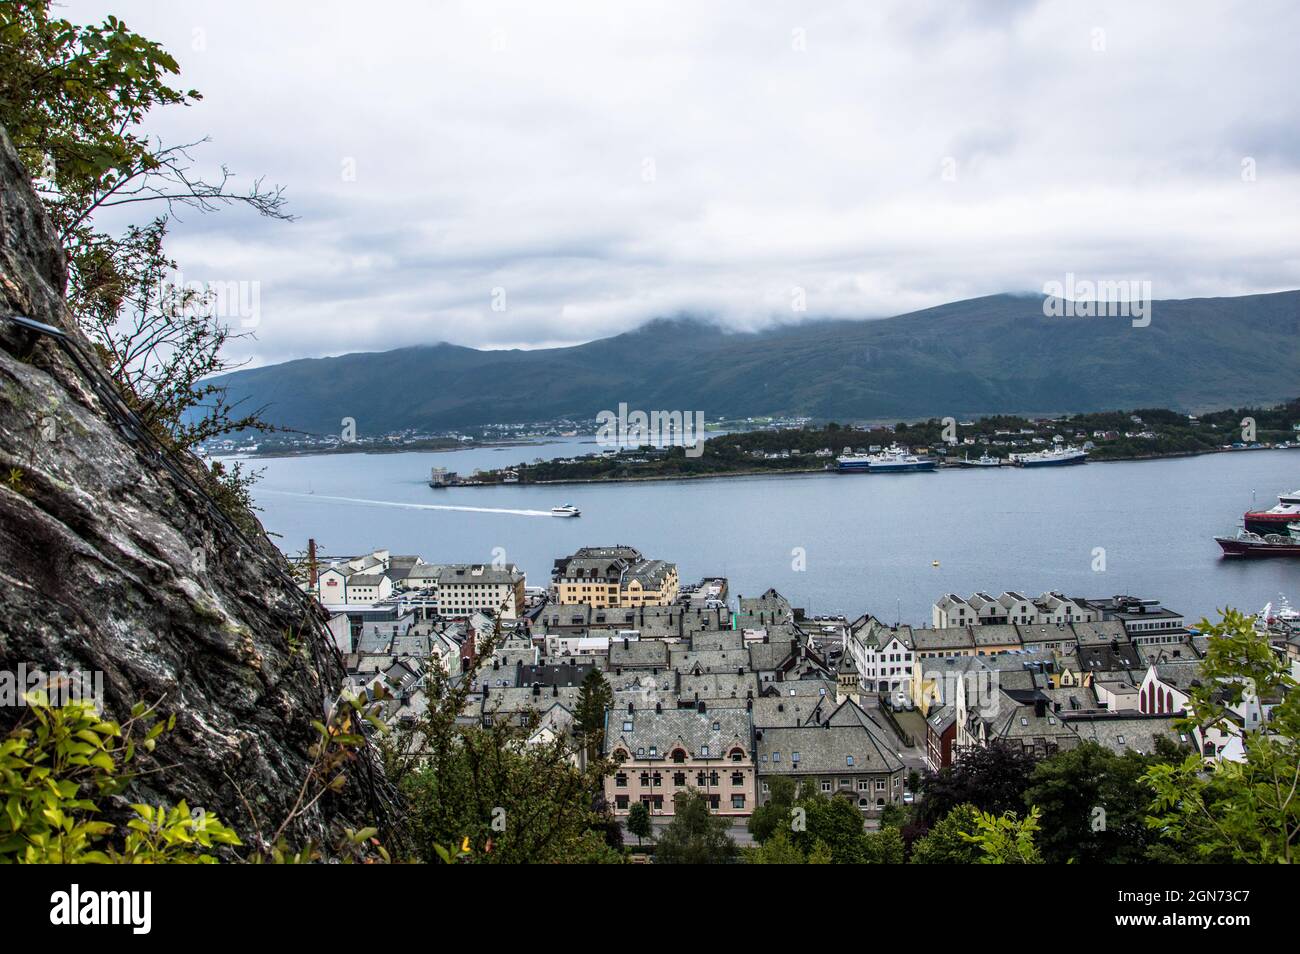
[112, 563]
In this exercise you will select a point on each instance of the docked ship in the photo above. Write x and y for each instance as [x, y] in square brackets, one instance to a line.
[1058, 456]
[984, 460]
[1275, 519]
[892, 460]
[1247, 544]
[567, 510]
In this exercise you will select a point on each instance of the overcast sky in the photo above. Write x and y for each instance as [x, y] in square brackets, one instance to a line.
[606, 163]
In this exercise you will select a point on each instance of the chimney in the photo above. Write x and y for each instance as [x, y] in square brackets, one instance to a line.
[659, 707]
[1040, 707]
[699, 706]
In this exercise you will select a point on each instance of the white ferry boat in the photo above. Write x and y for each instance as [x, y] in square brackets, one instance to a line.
[567, 510]
[1059, 456]
[892, 460]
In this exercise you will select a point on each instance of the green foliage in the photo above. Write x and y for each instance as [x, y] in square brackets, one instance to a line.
[1235, 811]
[1006, 839]
[946, 843]
[73, 99]
[836, 823]
[992, 779]
[638, 821]
[494, 791]
[773, 816]
[594, 699]
[695, 836]
[56, 767]
[885, 847]
[1094, 806]
[780, 850]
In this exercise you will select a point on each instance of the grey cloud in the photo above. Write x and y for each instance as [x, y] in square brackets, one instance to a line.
[508, 145]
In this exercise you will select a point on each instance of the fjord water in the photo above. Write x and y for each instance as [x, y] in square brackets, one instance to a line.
[866, 542]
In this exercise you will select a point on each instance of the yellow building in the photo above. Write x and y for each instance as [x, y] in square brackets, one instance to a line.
[617, 576]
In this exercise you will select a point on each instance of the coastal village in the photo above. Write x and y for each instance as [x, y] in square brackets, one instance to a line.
[721, 693]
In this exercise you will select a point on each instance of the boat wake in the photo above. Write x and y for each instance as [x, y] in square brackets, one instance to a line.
[408, 506]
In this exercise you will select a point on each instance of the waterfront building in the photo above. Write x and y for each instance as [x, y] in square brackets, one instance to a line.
[617, 576]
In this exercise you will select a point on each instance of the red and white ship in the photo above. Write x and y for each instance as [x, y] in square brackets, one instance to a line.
[1275, 519]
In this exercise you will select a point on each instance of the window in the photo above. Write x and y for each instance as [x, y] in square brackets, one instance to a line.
[700, 778]
[766, 788]
[1119, 739]
[826, 785]
[776, 758]
[620, 801]
[620, 780]
[864, 785]
[679, 778]
[737, 755]
[645, 778]
[704, 751]
[627, 726]
[737, 778]
[848, 760]
[737, 801]
[794, 757]
[880, 785]
[653, 751]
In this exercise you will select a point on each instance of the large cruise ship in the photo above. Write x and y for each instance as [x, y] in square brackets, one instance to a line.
[1275, 519]
[1059, 456]
[892, 460]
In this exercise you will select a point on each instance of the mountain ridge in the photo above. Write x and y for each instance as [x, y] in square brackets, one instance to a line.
[994, 354]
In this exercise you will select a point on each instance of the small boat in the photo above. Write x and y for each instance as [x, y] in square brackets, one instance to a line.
[567, 510]
[984, 460]
[1248, 544]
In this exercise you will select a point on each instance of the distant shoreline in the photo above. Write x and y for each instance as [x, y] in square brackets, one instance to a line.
[1135, 458]
[367, 449]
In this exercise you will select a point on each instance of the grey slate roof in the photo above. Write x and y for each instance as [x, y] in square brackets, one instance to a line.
[824, 751]
[719, 729]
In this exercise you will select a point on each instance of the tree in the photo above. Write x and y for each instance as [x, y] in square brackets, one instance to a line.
[773, 816]
[835, 823]
[487, 790]
[1247, 811]
[1006, 839]
[73, 100]
[885, 847]
[695, 836]
[1094, 806]
[638, 821]
[594, 699]
[992, 778]
[945, 843]
[776, 850]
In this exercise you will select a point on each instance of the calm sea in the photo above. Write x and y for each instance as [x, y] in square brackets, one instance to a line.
[832, 543]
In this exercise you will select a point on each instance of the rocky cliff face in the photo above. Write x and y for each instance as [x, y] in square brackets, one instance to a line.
[111, 562]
